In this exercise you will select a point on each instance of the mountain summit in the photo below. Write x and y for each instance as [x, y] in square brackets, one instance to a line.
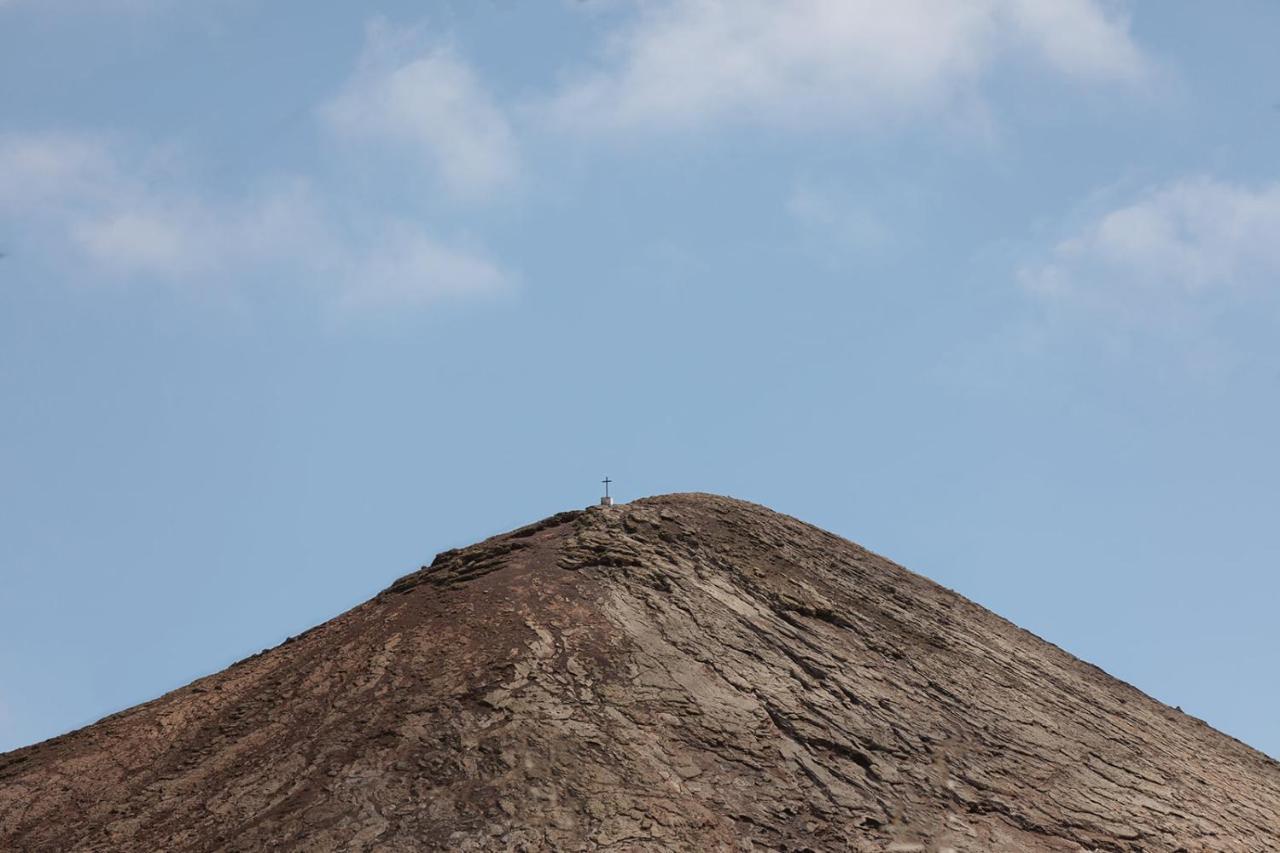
[685, 672]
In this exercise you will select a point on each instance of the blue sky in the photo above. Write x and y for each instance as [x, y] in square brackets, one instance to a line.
[295, 295]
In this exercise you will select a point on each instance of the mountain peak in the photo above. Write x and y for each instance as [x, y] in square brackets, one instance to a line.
[685, 672]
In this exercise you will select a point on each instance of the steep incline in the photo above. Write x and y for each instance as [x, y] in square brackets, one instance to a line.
[685, 672]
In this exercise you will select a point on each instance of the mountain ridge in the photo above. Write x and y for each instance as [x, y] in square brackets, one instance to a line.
[685, 672]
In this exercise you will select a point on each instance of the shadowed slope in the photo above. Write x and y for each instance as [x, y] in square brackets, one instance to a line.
[685, 672]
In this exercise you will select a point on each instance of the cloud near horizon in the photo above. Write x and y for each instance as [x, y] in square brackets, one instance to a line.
[685, 64]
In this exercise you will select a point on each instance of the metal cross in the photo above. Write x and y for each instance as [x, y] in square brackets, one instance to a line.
[606, 482]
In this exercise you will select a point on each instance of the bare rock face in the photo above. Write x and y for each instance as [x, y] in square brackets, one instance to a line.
[685, 672]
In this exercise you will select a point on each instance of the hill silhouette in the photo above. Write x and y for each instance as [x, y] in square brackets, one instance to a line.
[685, 672]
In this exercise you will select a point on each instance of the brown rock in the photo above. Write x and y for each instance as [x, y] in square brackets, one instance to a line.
[685, 672]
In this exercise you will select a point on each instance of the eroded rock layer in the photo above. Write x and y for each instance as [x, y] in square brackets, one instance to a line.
[685, 672]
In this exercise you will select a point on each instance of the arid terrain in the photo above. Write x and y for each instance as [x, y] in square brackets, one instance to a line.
[686, 672]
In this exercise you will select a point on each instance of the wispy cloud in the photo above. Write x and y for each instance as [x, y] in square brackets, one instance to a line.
[128, 210]
[1084, 39]
[682, 64]
[175, 234]
[406, 266]
[43, 169]
[122, 213]
[422, 101]
[1177, 247]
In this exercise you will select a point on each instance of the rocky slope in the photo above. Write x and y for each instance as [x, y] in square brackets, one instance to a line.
[685, 672]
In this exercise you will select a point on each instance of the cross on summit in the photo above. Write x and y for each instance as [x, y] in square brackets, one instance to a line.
[606, 500]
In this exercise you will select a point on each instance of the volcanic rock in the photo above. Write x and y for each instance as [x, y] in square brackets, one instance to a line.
[686, 672]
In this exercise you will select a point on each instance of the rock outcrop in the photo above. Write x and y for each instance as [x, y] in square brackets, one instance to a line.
[685, 672]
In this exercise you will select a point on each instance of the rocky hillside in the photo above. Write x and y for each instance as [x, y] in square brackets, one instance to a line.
[685, 672]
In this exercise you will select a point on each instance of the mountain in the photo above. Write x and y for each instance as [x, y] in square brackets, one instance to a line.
[685, 672]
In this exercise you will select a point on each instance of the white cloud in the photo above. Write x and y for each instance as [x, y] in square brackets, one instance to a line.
[1188, 243]
[427, 103]
[46, 168]
[172, 234]
[132, 214]
[1078, 38]
[689, 63]
[122, 217]
[135, 242]
[411, 268]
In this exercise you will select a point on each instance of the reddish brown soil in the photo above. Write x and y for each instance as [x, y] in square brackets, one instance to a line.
[685, 672]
